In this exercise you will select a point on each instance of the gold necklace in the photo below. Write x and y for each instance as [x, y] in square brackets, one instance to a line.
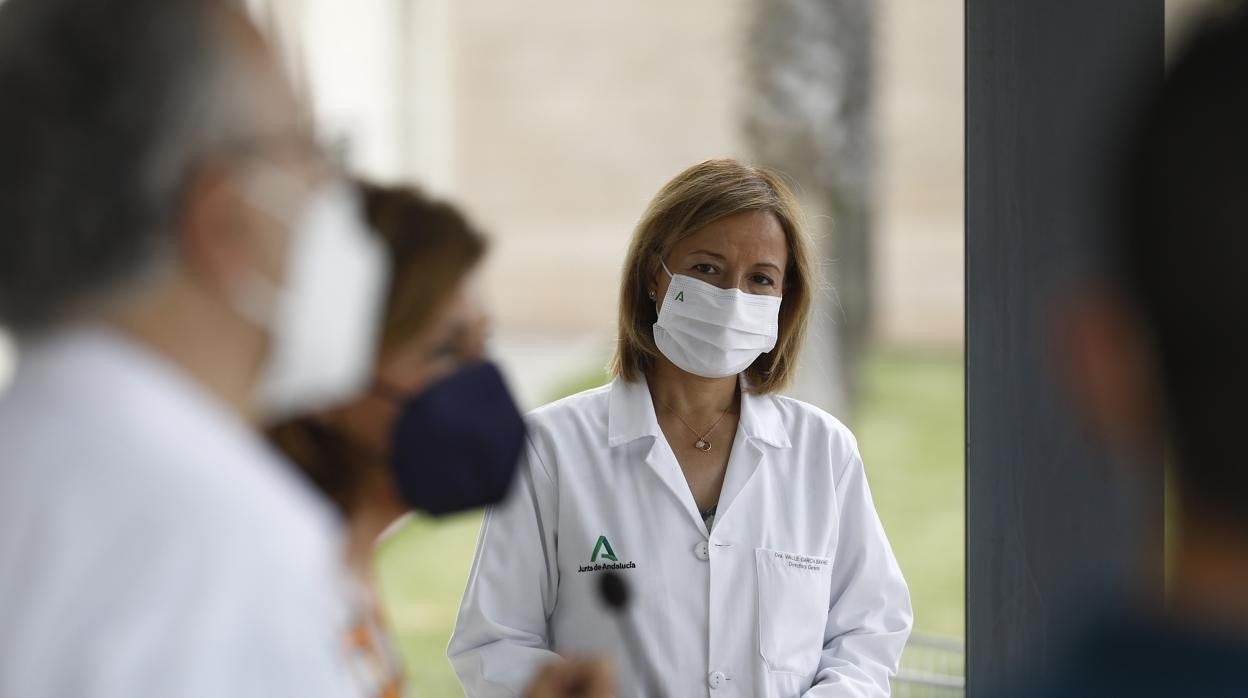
[701, 444]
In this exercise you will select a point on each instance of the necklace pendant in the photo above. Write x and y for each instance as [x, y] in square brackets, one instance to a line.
[702, 445]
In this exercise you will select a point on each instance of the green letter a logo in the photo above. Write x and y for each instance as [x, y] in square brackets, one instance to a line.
[680, 296]
[604, 548]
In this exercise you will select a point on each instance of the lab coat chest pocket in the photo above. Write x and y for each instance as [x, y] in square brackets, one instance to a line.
[793, 592]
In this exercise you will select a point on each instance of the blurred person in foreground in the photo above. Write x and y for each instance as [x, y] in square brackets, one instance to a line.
[180, 264]
[1158, 363]
[437, 431]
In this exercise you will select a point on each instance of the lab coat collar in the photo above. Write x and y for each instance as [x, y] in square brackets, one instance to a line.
[631, 416]
[761, 421]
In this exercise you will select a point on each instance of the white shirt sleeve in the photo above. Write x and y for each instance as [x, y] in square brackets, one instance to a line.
[870, 617]
[501, 636]
[196, 611]
[151, 544]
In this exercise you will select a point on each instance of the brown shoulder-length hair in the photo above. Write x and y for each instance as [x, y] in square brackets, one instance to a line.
[432, 247]
[695, 198]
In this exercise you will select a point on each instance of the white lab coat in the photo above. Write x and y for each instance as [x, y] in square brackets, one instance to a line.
[151, 544]
[795, 591]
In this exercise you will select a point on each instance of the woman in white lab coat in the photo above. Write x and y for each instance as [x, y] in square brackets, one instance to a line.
[740, 519]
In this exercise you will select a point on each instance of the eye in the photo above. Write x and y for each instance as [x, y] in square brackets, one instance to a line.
[450, 346]
[448, 349]
[762, 280]
[704, 268]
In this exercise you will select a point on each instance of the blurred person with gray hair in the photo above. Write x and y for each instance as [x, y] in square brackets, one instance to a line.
[179, 262]
[182, 265]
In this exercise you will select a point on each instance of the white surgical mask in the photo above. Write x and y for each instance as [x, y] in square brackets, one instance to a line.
[714, 332]
[324, 320]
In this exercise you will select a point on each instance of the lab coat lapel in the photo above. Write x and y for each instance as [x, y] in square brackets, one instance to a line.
[662, 461]
[760, 432]
[631, 416]
[745, 459]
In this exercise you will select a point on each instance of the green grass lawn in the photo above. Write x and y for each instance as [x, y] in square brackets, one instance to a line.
[909, 428]
[911, 436]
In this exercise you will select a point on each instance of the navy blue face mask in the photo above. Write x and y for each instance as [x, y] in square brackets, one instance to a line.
[456, 445]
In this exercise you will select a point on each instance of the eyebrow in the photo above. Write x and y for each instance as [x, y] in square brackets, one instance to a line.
[717, 255]
[708, 253]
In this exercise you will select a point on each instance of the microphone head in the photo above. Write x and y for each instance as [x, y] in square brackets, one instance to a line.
[614, 590]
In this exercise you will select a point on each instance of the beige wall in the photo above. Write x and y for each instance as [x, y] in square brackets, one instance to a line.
[568, 117]
[919, 265]
[555, 122]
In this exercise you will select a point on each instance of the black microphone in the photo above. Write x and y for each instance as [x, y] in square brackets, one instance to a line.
[617, 596]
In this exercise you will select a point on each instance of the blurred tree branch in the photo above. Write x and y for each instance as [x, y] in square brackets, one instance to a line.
[809, 114]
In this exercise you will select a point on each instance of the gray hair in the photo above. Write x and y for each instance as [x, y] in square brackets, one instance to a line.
[107, 106]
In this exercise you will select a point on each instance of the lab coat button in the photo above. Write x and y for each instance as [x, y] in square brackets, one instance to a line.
[702, 551]
[716, 679]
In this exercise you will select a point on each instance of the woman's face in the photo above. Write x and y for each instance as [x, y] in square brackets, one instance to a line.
[746, 251]
[454, 338]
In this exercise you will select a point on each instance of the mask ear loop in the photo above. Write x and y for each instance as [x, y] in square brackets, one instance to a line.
[653, 294]
[255, 296]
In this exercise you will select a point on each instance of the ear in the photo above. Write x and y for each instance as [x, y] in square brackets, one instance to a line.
[211, 229]
[1109, 369]
[658, 281]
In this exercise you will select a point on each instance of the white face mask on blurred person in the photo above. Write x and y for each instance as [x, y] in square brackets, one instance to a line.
[714, 332]
[323, 321]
